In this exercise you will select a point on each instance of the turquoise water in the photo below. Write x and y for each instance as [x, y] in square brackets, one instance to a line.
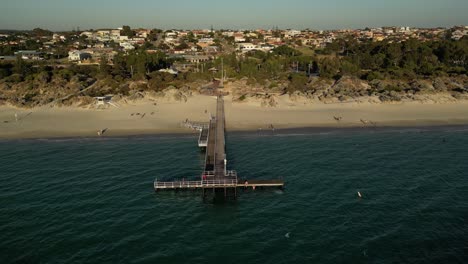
[92, 200]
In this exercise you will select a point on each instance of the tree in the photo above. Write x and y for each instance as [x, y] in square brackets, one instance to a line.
[104, 68]
[191, 37]
[39, 32]
[120, 66]
[348, 68]
[21, 67]
[182, 46]
[394, 55]
[286, 51]
[329, 67]
[154, 33]
[5, 70]
[147, 45]
[163, 46]
[127, 31]
[297, 82]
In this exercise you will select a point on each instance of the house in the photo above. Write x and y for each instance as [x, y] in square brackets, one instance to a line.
[378, 37]
[292, 33]
[459, 34]
[122, 38]
[266, 47]
[103, 33]
[58, 37]
[88, 34]
[206, 40]
[203, 44]
[179, 51]
[210, 49]
[127, 46]
[136, 40]
[29, 54]
[170, 39]
[252, 35]
[115, 35]
[272, 40]
[98, 53]
[228, 34]
[77, 55]
[239, 37]
[171, 71]
[7, 58]
[246, 47]
[196, 58]
[143, 33]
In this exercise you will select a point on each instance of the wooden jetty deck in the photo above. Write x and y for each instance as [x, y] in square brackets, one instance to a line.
[215, 176]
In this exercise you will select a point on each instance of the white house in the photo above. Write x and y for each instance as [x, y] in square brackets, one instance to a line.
[206, 40]
[171, 71]
[292, 32]
[77, 55]
[127, 46]
[88, 34]
[246, 47]
[123, 38]
[239, 39]
[228, 34]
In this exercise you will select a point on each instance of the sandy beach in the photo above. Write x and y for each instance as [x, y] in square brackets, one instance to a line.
[160, 116]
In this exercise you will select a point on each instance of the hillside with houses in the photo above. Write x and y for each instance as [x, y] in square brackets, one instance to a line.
[374, 64]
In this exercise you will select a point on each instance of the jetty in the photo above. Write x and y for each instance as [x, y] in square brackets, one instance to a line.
[216, 178]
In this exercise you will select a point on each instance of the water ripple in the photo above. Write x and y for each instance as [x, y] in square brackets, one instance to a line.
[91, 200]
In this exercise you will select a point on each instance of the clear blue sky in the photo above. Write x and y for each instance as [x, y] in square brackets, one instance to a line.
[241, 14]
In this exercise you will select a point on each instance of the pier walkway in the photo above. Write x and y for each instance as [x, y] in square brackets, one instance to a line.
[215, 175]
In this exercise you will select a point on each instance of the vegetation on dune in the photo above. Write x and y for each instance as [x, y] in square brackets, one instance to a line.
[381, 65]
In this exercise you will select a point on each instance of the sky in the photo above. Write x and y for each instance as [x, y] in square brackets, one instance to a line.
[59, 15]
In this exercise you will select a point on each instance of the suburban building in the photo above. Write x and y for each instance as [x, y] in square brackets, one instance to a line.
[246, 47]
[76, 55]
[196, 58]
[127, 46]
[29, 54]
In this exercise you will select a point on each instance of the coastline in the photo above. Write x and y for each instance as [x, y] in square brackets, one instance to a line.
[166, 117]
[187, 133]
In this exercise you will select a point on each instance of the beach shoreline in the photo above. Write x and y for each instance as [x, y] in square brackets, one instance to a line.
[240, 132]
[150, 117]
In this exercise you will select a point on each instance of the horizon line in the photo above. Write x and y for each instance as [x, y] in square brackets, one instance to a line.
[238, 29]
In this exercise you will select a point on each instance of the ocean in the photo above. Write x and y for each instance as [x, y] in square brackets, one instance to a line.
[91, 200]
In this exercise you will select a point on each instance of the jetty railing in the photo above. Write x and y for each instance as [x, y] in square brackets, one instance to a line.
[231, 182]
[196, 125]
